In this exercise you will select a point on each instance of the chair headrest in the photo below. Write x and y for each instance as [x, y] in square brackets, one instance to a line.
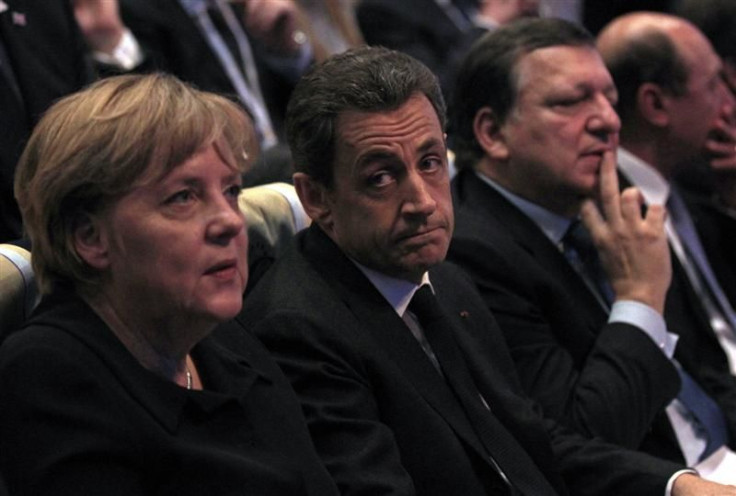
[18, 294]
[273, 214]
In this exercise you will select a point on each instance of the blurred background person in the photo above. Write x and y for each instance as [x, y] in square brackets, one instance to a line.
[676, 111]
[331, 25]
[714, 181]
[129, 193]
[251, 50]
[436, 32]
[42, 58]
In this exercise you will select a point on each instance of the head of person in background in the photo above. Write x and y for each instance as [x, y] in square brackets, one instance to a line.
[372, 166]
[533, 111]
[674, 105]
[717, 20]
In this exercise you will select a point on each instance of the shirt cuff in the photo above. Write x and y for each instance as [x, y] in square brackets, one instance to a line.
[671, 482]
[127, 53]
[648, 320]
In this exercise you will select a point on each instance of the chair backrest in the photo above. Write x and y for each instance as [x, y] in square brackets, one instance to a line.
[18, 293]
[273, 214]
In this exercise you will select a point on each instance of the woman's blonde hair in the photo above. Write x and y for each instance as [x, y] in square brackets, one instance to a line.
[93, 147]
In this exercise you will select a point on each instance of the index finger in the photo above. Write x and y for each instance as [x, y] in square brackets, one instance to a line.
[608, 191]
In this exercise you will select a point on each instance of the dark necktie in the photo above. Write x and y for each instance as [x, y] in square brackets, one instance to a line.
[519, 473]
[579, 250]
[707, 413]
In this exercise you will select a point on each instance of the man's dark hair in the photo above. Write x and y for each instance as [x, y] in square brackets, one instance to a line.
[488, 75]
[366, 79]
[649, 58]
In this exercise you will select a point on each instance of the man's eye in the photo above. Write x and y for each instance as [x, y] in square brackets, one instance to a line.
[567, 102]
[431, 164]
[380, 179]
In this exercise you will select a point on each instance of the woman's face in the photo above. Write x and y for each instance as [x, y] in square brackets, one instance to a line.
[178, 246]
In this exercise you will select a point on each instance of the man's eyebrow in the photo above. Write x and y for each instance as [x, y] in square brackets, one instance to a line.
[431, 143]
[384, 155]
[375, 156]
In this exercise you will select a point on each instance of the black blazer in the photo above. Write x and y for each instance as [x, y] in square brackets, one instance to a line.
[80, 415]
[716, 227]
[422, 29]
[48, 57]
[607, 380]
[380, 415]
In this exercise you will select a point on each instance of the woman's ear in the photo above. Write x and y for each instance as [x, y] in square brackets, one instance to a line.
[91, 241]
[488, 134]
[315, 199]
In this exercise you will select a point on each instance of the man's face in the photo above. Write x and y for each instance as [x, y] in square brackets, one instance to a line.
[390, 207]
[561, 124]
[706, 99]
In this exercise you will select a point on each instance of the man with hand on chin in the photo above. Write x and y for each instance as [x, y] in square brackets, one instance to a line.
[583, 318]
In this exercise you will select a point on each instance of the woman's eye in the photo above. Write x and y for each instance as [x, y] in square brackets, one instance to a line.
[234, 191]
[183, 196]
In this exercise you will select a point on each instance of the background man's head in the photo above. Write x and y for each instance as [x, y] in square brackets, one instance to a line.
[533, 111]
[366, 130]
[717, 20]
[671, 92]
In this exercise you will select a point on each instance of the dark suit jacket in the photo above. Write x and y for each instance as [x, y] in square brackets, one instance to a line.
[607, 380]
[382, 418]
[172, 42]
[48, 57]
[80, 415]
[716, 227]
[421, 29]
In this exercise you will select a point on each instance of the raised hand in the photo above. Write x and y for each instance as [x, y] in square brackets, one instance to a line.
[100, 23]
[632, 246]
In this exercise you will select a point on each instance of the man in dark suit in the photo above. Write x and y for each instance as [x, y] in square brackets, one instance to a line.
[401, 371]
[42, 58]
[677, 111]
[436, 32]
[251, 50]
[590, 345]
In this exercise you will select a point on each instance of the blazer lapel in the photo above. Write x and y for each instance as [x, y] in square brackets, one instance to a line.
[390, 332]
[482, 201]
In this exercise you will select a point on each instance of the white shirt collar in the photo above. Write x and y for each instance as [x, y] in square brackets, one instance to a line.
[553, 225]
[653, 186]
[398, 292]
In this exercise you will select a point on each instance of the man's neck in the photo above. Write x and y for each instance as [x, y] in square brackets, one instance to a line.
[658, 157]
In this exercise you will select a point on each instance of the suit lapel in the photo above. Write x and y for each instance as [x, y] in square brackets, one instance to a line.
[389, 331]
[481, 343]
[479, 200]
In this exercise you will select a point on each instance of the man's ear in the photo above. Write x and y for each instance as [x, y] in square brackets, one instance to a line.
[487, 130]
[91, 241]
[653, 104]
[315, 199]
